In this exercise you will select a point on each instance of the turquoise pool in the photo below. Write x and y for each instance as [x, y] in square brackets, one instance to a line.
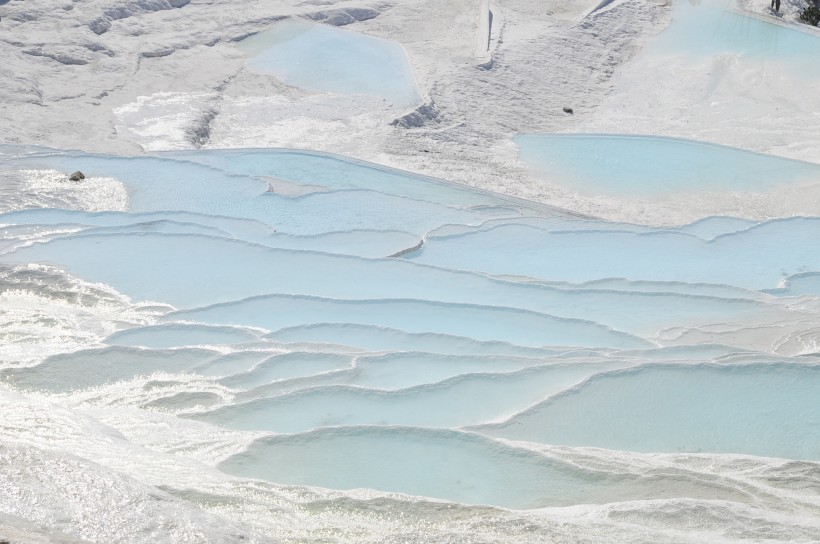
[323, 58]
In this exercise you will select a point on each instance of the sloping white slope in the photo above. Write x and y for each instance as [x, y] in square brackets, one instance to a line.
[104, 75]
[128, 77]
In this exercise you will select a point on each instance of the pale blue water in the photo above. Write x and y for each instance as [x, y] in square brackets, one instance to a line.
[756, 409]
[445, 464]
[180, 335]
[84, 369]
[502, 316]
[290, 317]
[247, 313]
[324, 58]
[756, 258]
[647, 167]
[362, 197]
[718, 27]
[385, 339]
[329, 172]
[473, 396]
[807, 283]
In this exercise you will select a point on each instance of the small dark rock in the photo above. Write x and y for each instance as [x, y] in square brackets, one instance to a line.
[76, 176]
[567, 110]
[425, 115]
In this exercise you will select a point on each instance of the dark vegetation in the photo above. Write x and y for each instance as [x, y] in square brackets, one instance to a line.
[811, 14]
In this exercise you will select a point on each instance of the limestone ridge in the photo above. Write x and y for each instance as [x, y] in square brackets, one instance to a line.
[424, 115]
[345, 16]
[101, 25]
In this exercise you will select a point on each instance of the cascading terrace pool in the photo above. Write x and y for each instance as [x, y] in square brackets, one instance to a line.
[323, 349]
[647, 167]
[374, 319]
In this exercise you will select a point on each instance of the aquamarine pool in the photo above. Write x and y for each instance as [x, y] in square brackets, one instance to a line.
[324, 58]
[720, 27]
[645, 166]
[703, 37]
[372, 318]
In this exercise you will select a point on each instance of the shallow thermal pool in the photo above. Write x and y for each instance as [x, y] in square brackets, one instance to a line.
[725, 47]
[652, 167]
[342, 320]
[719, 27]
[277, 345]
[323, 58]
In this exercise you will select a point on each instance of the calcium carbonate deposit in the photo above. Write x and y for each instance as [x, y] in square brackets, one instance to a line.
[461, 271]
